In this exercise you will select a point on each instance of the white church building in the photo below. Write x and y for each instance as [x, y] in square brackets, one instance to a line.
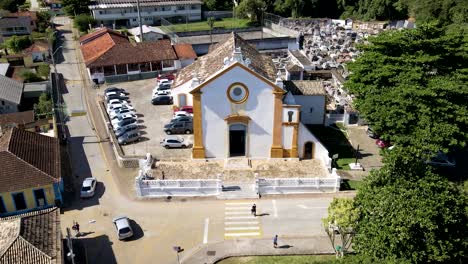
[239, 107]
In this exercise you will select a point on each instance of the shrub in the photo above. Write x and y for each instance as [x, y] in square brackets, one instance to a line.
[43, 70]
[82, 22]
[29, 76]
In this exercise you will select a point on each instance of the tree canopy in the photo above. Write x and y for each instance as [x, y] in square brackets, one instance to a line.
[408, 213]
[75, 7]
[412, 87]
[82, 22]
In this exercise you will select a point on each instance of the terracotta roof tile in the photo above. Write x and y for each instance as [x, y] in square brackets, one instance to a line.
[18, 118]
[32, 238]
[31, 14]
[305, 87]
[185, 51]
[96, 34]
[28, 160]
[37, 46]
[126, 53]
[212, 62]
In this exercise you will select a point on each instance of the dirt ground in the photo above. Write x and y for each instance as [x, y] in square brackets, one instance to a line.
[264, 168]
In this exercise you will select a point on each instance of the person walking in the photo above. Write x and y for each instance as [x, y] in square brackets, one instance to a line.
[254, 210]
[275, 241]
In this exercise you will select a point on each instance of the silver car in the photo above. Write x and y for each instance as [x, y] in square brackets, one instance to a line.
[129, 137]
[88, 187]
[122, 224]
[175, 142]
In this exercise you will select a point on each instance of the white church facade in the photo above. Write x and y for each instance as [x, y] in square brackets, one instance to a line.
[239, 109]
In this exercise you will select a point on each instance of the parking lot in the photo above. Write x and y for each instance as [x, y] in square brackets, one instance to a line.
[151, 120]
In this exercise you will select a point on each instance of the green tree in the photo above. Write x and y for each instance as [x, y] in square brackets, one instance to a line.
[341, 220]
[17, 44]
[43, 21]
[43, 70]
[408, 213]
[29, 76]
[75, 7]
[412, 87]
[11, 5]
[44, 108]
[82, 22]
[210, 21]
[251, 8]
[215, 5]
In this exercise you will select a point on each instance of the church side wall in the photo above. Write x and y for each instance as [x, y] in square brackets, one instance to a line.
[312, 108]
[216, 106]
[320, 152]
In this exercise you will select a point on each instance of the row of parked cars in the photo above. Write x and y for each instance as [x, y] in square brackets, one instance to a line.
[122, 115]
[161, 94]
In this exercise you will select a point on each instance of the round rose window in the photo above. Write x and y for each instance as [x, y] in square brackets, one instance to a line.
[237, 93]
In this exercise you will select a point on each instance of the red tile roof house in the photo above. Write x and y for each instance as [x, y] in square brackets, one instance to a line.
[110, 57]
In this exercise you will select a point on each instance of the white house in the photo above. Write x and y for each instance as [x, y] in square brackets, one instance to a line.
[149, 33]
[124, 13]
[238, 107]
[312, 98]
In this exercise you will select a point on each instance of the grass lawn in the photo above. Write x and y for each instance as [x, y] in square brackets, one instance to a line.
[317, 259]
[350, 185]
[226, 23]
[336, 141]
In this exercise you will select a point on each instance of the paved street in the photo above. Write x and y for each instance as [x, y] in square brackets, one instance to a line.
[159, 225]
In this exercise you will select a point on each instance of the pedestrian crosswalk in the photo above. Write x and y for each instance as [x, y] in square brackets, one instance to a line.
[239, 222]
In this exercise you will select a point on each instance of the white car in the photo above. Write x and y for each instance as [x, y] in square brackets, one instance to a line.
[114, 107]
[122, 224]
[181, 114]
[88, 187]
[159, 93]
[175, 142]
[121, 111]
[112, 94]
[117, 101]
[122, 117]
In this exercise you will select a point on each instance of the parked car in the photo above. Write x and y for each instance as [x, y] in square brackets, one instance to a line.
[122, 117]
[125, 123]
[178, 114]
[115, 107]
[442, 160]
[371, 133]
[115, 96]
[164, 87]
[382, 143]
[122, 225]
[160, 93]
[187, 108]
[129, 137]
[122, 130]
[123, 110]
[179, 128]
[175, 142]
[181, 119]
[115, 89]
[169, 76]
[88, 187]
[162, 100]
[117, 101]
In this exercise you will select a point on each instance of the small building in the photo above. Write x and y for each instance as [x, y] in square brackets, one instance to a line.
[185, 53]
[38, 51]
[11, 93]
[31, 172]
[149, 33]
[123, 13]
[110, 56]
[32, 238]
[11, 25]
[239, 109]
[30, 14]
[4, 67]
[312, 98]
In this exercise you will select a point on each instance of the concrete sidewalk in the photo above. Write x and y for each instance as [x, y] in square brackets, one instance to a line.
[213, 252]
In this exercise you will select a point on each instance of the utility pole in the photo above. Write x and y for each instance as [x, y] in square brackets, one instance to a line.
[70, 254]
[139, 20]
